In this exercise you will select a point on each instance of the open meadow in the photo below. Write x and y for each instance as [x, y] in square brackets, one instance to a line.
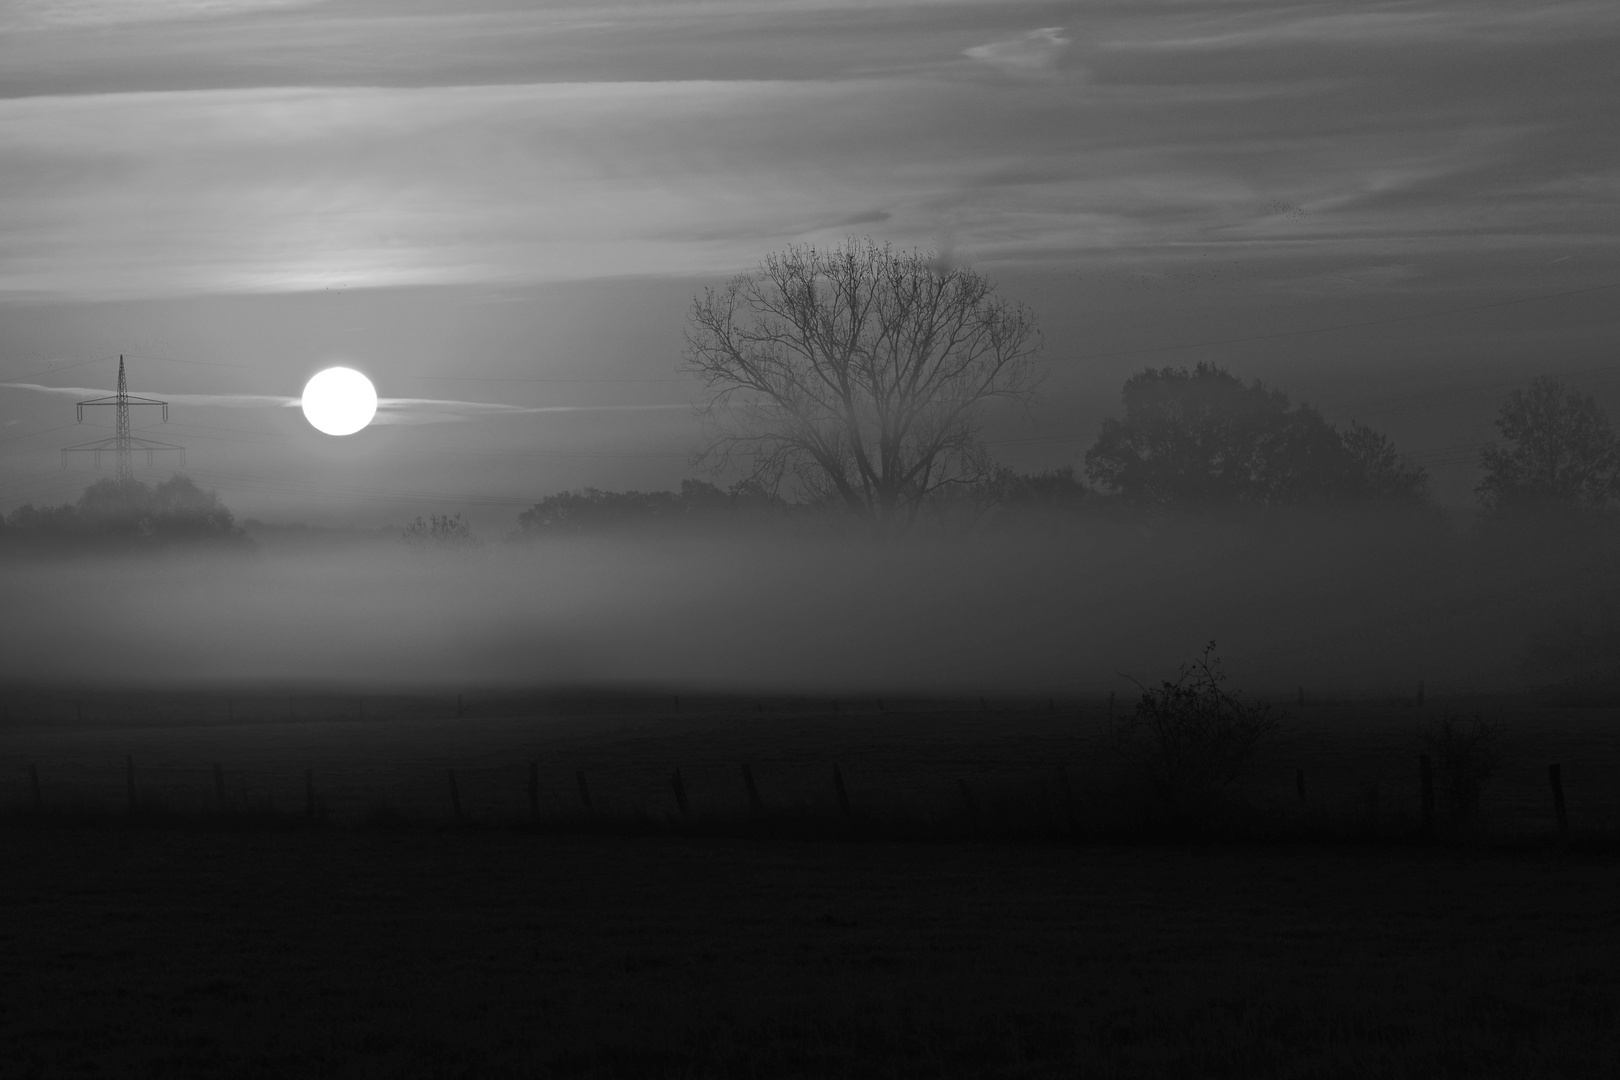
[970, 915]
[703, 807]
[1018, 767]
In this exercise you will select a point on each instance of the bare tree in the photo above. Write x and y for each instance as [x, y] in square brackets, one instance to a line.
[859, 373]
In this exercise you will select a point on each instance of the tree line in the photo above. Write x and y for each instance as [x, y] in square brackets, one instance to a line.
[853, 383]
[860, 377]
[116, 514]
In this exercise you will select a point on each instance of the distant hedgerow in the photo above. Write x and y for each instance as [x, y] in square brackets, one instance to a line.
[439, 531]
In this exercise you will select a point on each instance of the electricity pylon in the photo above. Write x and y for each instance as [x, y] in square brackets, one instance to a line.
[122, 445]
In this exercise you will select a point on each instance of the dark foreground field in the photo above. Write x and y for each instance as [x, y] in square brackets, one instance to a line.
[280, 888]
[143, 949]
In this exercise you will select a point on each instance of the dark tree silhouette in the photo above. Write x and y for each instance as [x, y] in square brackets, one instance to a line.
[589, 510]
[1562, 454]
[1191, 738]
[858, 374]
[444, 531]
[113, 512]
[1202, 438]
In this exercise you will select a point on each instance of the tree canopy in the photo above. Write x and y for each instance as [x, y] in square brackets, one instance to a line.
[1562, 453]
[858, 374]
[113, 513]
[1203, 438]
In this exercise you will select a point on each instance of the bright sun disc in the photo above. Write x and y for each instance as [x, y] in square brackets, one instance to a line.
[339, 401]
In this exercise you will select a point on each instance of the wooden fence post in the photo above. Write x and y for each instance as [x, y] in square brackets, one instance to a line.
[755, 807]
[1426, 772]
[33, 782]
[1555, 777]
[219, 787]
[534, 791]
[1299, 785]
[584, 791]
[129, 780]
[680, 795]
[309, 794]
[1420, 694]
[843, 795]
[458, 706]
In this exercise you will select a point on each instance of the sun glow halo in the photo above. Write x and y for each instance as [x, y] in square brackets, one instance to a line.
[339, 401]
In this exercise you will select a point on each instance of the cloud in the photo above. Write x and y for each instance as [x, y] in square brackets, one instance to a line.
[436, 410]
[239, 401]
[1191, 118]
[390, 410]
[90, 13]
[1031, 53]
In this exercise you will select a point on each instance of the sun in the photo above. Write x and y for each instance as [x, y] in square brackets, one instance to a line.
[339, 401]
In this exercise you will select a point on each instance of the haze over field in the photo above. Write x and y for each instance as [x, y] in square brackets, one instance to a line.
[1361, 607]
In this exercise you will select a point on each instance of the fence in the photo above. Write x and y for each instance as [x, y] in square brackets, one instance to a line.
[1046, 804]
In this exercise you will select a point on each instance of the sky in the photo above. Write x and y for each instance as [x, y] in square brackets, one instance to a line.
[501, 212]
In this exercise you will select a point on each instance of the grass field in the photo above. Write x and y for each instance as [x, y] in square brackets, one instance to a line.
[153, 951]
[901, 760]
[1001, 929]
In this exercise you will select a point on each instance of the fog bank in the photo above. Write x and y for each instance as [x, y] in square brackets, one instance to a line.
[1340, 606]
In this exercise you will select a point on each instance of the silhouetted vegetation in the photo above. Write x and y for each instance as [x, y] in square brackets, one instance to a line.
[1013, 500]
[114, 515]
[589, 510]
[439, 531]
[858, 375]
[1562, 454]
[1203, 440]
[1463, 760]
[1190, 738]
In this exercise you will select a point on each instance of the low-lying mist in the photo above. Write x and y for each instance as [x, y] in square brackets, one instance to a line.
[1352, 605]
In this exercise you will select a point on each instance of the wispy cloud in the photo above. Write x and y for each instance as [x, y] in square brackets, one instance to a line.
[390, 410]
[92, 13]
[691, 138]
[233, 401]
[1036, 51]
[436, 410]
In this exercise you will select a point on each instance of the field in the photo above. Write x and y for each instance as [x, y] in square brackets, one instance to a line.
[968, 918]
[901, 760]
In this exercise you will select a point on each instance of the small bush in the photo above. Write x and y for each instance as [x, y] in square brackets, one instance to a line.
[440, 531]
[1463, 761]
[1190, 738]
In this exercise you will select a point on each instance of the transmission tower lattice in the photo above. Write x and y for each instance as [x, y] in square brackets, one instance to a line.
[122, 446]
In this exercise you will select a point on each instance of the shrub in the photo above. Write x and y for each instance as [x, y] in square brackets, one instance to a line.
[1462, 761]
[439, 531]
[1190, 738]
